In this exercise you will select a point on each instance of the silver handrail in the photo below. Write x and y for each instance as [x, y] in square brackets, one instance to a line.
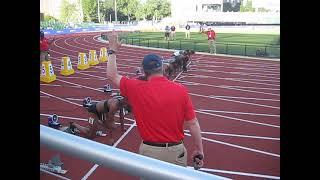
[117, 159]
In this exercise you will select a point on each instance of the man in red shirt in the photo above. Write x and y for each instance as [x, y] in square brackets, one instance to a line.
[211, 40]
[161, 108]
[173, 32]
[44, 47]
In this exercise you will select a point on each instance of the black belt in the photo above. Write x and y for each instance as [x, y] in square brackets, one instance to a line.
[162, 144]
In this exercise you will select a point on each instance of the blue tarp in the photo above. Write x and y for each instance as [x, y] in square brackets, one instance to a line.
[88, 29]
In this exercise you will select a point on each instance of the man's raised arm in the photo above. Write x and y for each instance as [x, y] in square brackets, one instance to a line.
[114, 45]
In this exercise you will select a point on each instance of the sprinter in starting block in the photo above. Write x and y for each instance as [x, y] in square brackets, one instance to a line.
[74, 128]
[102, 113]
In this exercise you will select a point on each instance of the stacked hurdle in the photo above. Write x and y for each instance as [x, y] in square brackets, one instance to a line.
[93, 60]
[66, 66]
[83, 61]
[47, 74]
[103, 54]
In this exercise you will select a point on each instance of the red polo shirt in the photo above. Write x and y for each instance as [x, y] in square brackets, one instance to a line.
[159, 106]
[44, 44]
[211, 35]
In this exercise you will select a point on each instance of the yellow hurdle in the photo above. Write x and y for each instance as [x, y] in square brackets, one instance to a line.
[47, 74]
[93, 58]
[83, 61]
[66, 66]
[103, 55]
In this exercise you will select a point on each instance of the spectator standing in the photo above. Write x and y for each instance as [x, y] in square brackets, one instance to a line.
[187, 31]
[211, 40]
[167, 33]
[173, 32]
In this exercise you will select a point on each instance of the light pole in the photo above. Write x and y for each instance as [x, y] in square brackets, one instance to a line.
[98, 11]
[115, 11]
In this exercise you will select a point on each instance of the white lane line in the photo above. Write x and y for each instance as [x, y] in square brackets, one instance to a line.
[237, 173]
[238, 135]
[231, 79]
[233, 73]
[53, 174]
[114, 145]
[58, 85]
[237, 89]
[246, 87]
[72, 77]
[60, 99]
[203, 132]
[234, 112]
[80, 85]
[238, 119]
[237, 146]
[264, 70]
[241, 102]
[216, 64]
[249, 98]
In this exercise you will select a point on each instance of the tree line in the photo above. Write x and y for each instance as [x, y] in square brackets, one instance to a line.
[127, 10]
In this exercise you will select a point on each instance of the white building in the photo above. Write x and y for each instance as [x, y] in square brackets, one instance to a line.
[212, 11]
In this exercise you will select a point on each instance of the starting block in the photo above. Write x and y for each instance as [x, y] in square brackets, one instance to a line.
[66, 66]
[53, 121]
[93, 58]
[86, 102]
[107, 88]
[83, 61]
[47, 74]
[103, 55]
[54, 165]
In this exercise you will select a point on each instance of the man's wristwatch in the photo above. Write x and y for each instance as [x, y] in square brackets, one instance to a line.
[110, 51]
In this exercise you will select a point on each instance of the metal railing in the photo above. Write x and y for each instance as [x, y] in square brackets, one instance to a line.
[252, 50]
[117, 159]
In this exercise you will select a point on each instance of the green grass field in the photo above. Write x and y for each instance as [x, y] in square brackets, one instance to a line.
[226, 43]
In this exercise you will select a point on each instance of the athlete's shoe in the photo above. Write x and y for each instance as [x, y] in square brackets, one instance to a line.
[100, 133]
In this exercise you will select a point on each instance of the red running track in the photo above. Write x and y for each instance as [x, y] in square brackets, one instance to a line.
[237, 101]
